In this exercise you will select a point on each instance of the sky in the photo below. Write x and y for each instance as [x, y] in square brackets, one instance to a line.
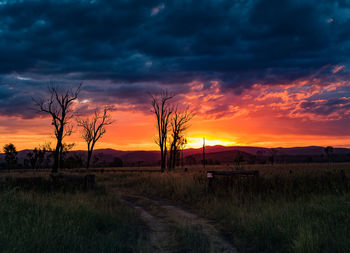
[271, 73]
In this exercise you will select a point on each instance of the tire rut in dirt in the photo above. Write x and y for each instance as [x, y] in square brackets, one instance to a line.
[172, 214]
[159, 235]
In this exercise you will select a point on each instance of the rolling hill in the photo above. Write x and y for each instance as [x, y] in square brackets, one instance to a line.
[214, 155]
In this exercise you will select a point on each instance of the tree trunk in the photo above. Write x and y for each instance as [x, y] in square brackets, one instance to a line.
[170, 157]
[171, 163]
[174, 157]
[88, 159]
[163, 158]
[165, 151]
[56, 158]
[60, 165]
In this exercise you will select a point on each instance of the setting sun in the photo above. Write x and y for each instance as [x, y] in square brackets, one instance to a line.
[195, 142]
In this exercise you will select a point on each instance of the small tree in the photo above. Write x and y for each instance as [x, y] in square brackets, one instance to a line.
[329, 152]
[10, 155]
[66, 148]
[162, 109]
[238, 159]
[36, 157]
[117, 162]
[93, 129]
[58, 106]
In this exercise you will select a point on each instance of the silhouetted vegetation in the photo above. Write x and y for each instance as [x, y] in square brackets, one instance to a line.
[10, 156]
[117, 162]
[329, 152]
[179, 123]
[170, 118]
[59, 107]
[74, 162]
[36, 158]
[93, 129]
[162, 109]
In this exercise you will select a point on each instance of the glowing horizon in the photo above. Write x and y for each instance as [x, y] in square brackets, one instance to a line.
[138, 134]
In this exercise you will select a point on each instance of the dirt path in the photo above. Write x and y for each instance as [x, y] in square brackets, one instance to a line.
[160, 236]
[160, 216]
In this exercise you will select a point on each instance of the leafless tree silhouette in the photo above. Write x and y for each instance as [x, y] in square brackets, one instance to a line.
[162, 109]
[179, 123]
[58, 106]
[93, 129]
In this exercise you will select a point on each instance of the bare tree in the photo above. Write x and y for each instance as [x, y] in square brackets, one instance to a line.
[179, 123]
[162, 109]
[58, 106]
[93, 129]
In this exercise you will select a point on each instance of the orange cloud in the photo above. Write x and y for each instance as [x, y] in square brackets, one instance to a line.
[305, 112]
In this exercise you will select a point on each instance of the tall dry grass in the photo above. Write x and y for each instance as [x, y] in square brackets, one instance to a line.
[74, 222]
[295, 208]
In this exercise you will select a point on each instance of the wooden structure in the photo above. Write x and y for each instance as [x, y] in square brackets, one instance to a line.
[85, 182]
[237, 174]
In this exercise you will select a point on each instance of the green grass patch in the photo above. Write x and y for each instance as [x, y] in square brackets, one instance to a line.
[80, 222]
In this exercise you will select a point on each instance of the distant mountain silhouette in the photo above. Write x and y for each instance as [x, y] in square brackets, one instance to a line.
[214, 154]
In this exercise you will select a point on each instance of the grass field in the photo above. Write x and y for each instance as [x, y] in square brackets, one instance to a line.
[72, 222]
[295, 208]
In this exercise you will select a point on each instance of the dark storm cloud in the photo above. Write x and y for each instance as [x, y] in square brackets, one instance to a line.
[138, 46]
[326, 107]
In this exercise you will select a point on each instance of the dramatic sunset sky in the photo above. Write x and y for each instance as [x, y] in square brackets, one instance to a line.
[260, 73]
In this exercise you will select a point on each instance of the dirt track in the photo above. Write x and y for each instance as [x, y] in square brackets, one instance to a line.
[159, 216]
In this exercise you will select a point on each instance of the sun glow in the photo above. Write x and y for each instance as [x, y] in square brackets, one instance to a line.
[198, 142]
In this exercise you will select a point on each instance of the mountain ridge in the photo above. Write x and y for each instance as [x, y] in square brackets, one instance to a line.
[214, 154]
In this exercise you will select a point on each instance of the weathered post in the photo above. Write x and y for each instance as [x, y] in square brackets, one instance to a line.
[210, 178]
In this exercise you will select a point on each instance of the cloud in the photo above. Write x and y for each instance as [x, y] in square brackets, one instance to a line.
[124, 49]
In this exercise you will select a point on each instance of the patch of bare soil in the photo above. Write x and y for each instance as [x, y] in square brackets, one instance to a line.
[160, 236]
[159, 216]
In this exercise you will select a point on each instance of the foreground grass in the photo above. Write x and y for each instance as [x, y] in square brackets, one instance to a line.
[298, 208]
[191, 238]
[316, 224]
[79, 222]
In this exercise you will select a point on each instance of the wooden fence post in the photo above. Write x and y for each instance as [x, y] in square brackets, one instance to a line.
[210, 178]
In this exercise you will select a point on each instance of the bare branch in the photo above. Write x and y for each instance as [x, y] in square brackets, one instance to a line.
[92, 129]
[57, 106]
[162, 109]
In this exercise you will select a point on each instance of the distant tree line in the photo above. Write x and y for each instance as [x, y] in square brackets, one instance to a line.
[42, 157]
